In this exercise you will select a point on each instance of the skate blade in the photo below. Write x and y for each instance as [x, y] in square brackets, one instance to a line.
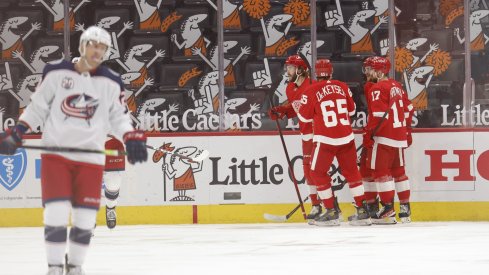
[311, 222]
[387, 220]
[364, 222]
[328, 223]
[406, 220]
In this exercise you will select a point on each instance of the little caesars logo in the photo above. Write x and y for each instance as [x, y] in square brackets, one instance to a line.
[192, 121]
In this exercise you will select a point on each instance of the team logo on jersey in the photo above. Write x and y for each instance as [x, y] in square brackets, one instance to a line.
[80, 106]
[67, 83]
[13, 169]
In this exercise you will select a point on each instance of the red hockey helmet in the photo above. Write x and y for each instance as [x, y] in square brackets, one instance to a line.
[296, 60]
[324, 68]
[367, 63]
[380, 64]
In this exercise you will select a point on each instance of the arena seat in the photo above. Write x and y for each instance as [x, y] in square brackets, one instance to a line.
[171, 73]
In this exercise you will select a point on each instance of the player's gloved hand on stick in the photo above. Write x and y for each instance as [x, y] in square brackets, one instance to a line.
[11, 139]
[277, 112]
[135, 142]
[368, 141]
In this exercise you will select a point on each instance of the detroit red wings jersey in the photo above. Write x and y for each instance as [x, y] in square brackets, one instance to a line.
[388, 95]
[78, 110]
[294, 95]
[366, 89]
[329, 105]
[114, 163]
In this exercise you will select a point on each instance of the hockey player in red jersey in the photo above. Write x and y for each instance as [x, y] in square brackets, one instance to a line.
[299, 80]
[368, 181]
[112, 179]
[386, 136]
[328, 105]
[77, 105]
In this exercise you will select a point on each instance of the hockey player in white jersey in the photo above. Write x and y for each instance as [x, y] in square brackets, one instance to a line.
[77, 105]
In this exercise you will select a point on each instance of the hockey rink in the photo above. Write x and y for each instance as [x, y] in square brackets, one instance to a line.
[287, 248]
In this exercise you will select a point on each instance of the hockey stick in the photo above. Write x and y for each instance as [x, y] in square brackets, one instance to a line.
[200, 157]
[203, 155]
[73, 150]
[284, 218]
[291, 169]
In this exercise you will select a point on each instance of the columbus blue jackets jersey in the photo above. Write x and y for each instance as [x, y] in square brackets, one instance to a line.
[78, 110]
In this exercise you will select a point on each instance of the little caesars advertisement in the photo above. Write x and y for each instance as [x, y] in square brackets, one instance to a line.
[254, 170]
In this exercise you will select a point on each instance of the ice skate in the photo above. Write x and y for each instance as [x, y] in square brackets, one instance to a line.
[74, 270]
[337, 208]
[362, 217]
[328, 218]
[386, 215]
[316, 210]
[110, 217]
[55, 270]
[373, 208]
[405, 213]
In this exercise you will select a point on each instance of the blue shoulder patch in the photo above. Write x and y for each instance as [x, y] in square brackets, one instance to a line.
[104, 71]
[57, 65]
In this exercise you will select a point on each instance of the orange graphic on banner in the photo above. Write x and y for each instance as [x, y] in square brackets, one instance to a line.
[232, 21]
[300, 12]
[58, 26]
[229, 79]
[200, 43]
[185, 182]
[186, 76]
[478, 43]
[364, 45]
[257, 8]
[138, 82]
[7, 53]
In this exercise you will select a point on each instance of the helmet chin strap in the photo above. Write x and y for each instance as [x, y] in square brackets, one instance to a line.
[82, 56]
[296, 80]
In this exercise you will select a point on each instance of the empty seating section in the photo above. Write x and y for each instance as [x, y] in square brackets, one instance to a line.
[169, 51]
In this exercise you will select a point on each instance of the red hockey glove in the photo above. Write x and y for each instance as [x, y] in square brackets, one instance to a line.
[277, 112]
[11, 139]
[368, 141]
[135, 142]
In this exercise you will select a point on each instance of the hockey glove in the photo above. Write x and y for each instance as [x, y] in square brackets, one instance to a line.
[277, 112]
[135, 142]
[368, 141]
[12, 139]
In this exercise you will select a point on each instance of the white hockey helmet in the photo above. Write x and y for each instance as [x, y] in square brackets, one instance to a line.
[97, 34]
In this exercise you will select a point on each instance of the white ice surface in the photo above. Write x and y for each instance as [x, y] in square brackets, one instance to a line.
[417, 248]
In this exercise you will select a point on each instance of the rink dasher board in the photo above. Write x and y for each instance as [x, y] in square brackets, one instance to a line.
[249, 174]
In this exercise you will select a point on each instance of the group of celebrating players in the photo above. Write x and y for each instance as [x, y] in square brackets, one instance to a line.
[324, 108]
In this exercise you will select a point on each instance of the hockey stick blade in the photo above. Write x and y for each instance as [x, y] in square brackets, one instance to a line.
[275, 218]
[203, 155]
[283, 218]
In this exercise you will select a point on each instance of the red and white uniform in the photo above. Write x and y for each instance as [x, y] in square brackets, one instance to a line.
[294, 95]
[329, 105]
[385, 157]
[388, 95]
[368, 181]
